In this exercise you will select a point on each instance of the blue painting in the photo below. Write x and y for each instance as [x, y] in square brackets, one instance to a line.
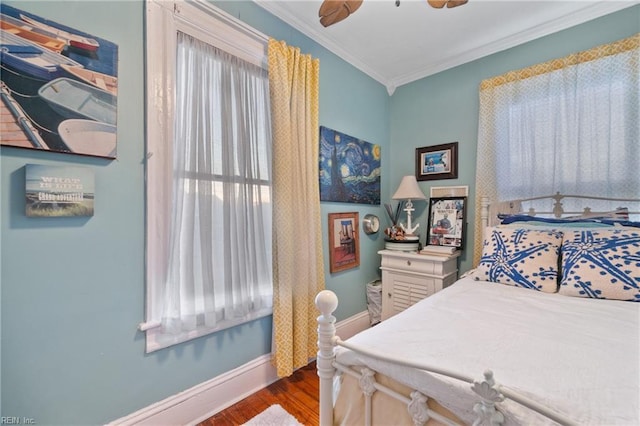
[58, 86]
[349, 169]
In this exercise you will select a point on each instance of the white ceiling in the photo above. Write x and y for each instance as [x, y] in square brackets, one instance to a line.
[398, 45]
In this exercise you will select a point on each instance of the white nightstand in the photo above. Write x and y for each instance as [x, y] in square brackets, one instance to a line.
[408, 277]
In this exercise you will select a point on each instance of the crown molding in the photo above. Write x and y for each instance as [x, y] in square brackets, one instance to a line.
[570, 20]
[279, 10]
[587, 13]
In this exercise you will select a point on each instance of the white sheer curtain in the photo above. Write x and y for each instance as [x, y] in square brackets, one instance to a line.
[219, 268]
[569, 125]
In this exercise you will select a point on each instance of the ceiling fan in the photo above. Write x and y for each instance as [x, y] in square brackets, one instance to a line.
[332, 11]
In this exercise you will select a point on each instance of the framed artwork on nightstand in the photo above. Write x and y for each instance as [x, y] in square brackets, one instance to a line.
[446, 222]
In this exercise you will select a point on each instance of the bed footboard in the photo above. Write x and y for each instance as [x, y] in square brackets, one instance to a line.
[489, 392]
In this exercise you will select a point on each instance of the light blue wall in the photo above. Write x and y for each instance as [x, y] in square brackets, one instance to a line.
[72, 290]
[444, 107]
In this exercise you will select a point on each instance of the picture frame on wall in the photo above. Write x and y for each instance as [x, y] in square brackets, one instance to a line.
[349, 168]
[344, 241]
[59, 85]
[437, 162]
[59, 191]
[446, 222]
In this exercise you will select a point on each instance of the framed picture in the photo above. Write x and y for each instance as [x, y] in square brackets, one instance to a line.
[60, 85]
[437, 162]
[446, 222]
[344, 241]
[349, 168]
[54, 191]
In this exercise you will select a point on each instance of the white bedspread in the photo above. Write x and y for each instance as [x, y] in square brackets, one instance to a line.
[578, 356]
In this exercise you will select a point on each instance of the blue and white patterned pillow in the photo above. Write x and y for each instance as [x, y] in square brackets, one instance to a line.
[602, 264]
[521, 257]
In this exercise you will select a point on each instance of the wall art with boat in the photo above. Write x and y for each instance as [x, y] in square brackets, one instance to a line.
[58, 85]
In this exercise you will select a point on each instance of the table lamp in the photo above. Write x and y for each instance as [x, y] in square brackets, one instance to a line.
[409, 190]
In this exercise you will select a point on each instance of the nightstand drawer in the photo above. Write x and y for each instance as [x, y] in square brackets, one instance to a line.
[421, 264]
[417, 266]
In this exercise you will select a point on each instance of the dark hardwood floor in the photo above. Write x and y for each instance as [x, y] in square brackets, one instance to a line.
[298, 394]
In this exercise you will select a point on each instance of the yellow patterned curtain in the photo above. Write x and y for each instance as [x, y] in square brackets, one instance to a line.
[298, 266]
[501, 92]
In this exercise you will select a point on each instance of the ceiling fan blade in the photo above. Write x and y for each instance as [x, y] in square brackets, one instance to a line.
[353, 5]
[329, 7]
[455, 3]
[438, 4]
[335, 17]
[332, 11]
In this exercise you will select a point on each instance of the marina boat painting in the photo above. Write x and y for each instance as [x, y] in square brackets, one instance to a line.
[74, 99]
[59, 86]
[29, 136]
[75, 40]
[87, 136]
[28, 57]
[102, 81]
[41, 37]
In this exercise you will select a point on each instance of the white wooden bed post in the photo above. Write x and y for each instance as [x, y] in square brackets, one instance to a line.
[484, 214]
[326, 302]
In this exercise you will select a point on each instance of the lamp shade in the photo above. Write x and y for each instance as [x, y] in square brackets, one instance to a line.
[409, 190]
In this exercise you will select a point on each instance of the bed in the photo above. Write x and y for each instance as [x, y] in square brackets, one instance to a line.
[515, 341]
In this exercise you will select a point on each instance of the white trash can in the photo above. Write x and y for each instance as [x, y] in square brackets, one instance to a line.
[374, 301]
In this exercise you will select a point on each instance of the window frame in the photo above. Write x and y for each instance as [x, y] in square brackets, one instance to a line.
[164, 19]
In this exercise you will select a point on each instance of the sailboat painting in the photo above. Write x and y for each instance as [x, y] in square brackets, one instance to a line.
[52, 74]
[349, 169]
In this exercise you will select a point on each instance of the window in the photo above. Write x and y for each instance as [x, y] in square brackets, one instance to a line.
[208, 173]
[569, 131]
[569, 125]
[572, 128]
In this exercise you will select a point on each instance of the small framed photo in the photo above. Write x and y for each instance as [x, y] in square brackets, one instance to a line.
[437, 162]
[446, 222]
[344, 241]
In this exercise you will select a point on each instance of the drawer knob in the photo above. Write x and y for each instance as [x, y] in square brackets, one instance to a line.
[408, 263]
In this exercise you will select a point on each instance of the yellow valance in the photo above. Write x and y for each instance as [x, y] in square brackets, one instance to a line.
[597, 52]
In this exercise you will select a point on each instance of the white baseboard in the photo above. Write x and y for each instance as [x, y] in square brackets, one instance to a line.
[208, 398]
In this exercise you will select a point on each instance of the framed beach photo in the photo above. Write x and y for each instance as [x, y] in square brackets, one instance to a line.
[55, 191]
[446, 222]
[437, 162]
[344, 241]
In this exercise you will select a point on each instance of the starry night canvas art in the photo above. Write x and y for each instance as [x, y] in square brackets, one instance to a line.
[349, 168]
